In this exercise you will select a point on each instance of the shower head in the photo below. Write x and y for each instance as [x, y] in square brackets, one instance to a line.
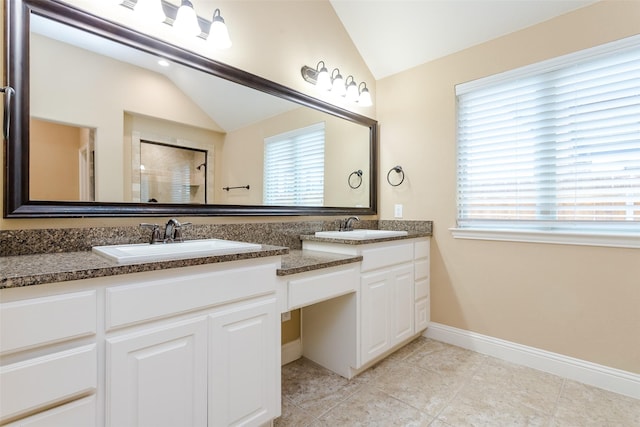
[201, 166]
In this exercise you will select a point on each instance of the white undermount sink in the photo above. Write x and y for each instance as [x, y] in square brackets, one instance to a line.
[140, 252]
[361, 234]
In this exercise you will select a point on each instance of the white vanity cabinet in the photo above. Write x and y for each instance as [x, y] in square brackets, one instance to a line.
[350, 333]
[49, 357]
[196, 346]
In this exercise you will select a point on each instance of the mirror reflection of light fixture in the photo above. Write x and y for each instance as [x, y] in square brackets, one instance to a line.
[183, 19]
[337, 83]
[150, 11]
[364, 98]
[349, 89]
[186, 22]
[218, 32]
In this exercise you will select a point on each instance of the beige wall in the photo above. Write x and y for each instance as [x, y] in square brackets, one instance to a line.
[575, 300]
[54, 161]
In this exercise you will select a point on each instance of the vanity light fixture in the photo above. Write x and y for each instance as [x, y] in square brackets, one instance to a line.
[186, 22]
[364, 97]
[337, 83]
[323, 79]
[218, 32]
[349, 89]
[183, 19]
[352, 90]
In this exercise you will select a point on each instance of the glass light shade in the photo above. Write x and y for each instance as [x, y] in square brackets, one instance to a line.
[337, 85]
[218, 33]
[352, 91]
[365, 97]
[323, 80]
[186, 22]
[150, 11]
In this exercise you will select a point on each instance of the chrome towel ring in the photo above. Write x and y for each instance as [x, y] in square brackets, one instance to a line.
[358, 178]
[396, 169]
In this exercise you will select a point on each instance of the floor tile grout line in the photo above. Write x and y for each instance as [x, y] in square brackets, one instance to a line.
[556, 406]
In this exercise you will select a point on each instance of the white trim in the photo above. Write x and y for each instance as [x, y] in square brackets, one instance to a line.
[615, 380]
[291, 351]
[555, 237]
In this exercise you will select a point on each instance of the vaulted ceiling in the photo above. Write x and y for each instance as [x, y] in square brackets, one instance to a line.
[395, 35]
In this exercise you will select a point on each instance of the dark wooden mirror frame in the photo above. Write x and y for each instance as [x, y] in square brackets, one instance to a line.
[16, 201]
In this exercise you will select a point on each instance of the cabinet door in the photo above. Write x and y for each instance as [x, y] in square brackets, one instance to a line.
[376, 315]
[244, 369]
[403, 301]
[158, 376]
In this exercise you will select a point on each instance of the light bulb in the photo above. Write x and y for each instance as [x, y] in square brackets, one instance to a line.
[337, 85]
[150, 11]
[186, 22]
[365, 97]
[323, 80]
[352, 90]
[218, 32]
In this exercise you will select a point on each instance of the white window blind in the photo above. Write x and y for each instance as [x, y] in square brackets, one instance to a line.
[554, 146]
[294, 167]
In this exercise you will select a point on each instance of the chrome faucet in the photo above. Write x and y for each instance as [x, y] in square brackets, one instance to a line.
[173, 231]
[347, 225]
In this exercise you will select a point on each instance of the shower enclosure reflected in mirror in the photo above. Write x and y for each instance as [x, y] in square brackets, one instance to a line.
[172, 174]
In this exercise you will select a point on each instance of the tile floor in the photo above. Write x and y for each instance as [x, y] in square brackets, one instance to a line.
[429, 383]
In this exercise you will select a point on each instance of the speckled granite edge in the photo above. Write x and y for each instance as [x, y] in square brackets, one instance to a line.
[28, 270]
[356, 242]
[300, 261]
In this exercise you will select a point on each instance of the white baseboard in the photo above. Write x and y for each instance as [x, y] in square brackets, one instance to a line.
[291, 351]
[600, 376]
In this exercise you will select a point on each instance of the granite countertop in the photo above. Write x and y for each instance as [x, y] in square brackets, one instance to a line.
[410, 235]
[39, 269]
[299, 261]
[27, 270]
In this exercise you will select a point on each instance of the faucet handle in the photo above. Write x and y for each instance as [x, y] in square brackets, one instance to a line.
[155, 232]
[177, 232]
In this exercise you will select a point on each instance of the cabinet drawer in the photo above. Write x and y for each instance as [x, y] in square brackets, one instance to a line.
[38, 321]
[43, 381]
[322, 286]
[181, 292]
[79, 413]
[387, 255]
[422, 249]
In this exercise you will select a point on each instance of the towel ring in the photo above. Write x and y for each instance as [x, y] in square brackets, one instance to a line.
[358, 174]
[396, 169]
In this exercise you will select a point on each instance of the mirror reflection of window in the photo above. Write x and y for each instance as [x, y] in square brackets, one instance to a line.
[61, 162]
[294, 167]
[172, 174]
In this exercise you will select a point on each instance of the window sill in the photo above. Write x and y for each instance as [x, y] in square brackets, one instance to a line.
[561, 238]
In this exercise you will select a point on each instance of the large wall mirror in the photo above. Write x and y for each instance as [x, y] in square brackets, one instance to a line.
[98, 127]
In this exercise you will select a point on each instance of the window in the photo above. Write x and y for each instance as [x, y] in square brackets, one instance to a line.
[294, 167]
[553, 147]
